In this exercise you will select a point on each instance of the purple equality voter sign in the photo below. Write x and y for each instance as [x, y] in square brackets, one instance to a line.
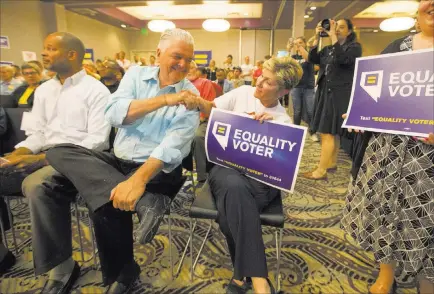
[268, 152]
[394, 93]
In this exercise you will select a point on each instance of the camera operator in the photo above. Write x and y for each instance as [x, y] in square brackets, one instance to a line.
[335, 81]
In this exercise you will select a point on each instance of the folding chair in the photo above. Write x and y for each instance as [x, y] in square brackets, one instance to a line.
[204, 207]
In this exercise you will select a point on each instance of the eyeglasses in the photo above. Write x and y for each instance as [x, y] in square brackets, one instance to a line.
[30, 73]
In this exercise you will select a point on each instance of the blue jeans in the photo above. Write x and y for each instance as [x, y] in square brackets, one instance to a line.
[303, 103]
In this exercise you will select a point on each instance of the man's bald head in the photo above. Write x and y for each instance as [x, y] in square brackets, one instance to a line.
[63, 52]
[69, 42]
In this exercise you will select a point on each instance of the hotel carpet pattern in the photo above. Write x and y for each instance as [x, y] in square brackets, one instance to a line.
[317, 256]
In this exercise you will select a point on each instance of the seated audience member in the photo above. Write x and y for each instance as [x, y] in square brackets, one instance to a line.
[122, 61]
[25, 94]
[8, 83]
[66, 109]
[46, 74]
[230, 75]
[143, 61]
[90, 69]
[155, 134]
[98, 63]
[208, 92]
[258, 71]
[17, 73]
[111, 74]
[211, 71]
[222, 82]
[237, 80]
[3, 122]
[240, 199]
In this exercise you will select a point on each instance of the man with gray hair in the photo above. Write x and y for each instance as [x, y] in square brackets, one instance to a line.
[156, 122]
[8, 83]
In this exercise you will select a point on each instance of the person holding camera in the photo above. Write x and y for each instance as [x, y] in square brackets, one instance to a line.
[335, 79]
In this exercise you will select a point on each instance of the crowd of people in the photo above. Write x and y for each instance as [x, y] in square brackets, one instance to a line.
[159, 112]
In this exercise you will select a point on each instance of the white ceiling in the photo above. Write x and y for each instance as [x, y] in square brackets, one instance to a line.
[211, 9]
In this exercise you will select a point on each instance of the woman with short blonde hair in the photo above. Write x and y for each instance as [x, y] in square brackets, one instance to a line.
[240, 199]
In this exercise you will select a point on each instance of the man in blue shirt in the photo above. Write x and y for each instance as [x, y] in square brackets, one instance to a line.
[155, 131]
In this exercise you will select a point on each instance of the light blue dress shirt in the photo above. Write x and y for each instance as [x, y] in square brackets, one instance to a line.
[165, 134]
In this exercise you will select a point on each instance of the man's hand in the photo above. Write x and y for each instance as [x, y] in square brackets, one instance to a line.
[126, 194]
[186, 98]
[23, 161]
[263, 117]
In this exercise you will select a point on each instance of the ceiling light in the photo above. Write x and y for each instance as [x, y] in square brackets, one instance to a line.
[160, 25]
[123, 25]
[216, 25]
[313, 8]
[375, 31]
[413, 31]
[306, 16]
[246, 14]
[397, 24]
[216, 2]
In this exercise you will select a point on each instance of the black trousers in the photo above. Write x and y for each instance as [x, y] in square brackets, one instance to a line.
[240, 200]
[94, 174]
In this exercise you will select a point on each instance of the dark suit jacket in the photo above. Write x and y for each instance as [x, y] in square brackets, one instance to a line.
[339, 62]
[20, 91]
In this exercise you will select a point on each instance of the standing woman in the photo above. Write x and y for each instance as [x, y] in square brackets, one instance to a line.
[335, 81]
[212, 71]
[389, 207]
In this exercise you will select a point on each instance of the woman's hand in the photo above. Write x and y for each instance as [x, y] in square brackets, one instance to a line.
[332, 30]
[263, 117]
[344, 116]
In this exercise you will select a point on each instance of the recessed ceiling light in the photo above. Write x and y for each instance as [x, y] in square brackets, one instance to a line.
[123, 25]
[246, 14]
[313, 8]
[396, 24]
[306, 16]
[216, 25]
[375, 31]
[160, 25]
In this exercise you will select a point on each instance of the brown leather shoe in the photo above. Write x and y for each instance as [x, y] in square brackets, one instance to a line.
[309, 176]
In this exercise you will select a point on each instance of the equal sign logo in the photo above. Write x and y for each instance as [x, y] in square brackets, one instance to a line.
[221, 133]
[372, 83]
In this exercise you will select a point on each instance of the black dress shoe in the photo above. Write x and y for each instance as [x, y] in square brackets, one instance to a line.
[150, 210]
[234, 288]
[126, 280]
[7, 262]
[58, 287]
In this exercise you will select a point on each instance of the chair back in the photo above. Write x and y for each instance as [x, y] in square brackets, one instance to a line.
[7, 101]
[14, 134]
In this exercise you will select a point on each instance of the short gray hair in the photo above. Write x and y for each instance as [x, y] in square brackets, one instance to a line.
[174, 34]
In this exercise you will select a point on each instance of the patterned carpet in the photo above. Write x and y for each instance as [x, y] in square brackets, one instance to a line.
[317, 256]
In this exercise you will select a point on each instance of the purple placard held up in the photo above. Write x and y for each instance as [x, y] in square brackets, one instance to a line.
[393, 93]
[269, 152]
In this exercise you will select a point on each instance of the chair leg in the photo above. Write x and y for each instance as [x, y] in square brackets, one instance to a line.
[279, 233]
[2, 227]
[170, 245]
[79, 231]
[193, 184]
[181, 261]
[191, 250]
[92, 236]
[202, 245]
[8, 205]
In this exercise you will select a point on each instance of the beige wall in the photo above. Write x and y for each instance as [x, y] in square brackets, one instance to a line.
[22, 24]
[104, 39]
[374, 43]
[26, 23]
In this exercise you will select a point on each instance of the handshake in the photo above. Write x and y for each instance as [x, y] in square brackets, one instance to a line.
[187, 98]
